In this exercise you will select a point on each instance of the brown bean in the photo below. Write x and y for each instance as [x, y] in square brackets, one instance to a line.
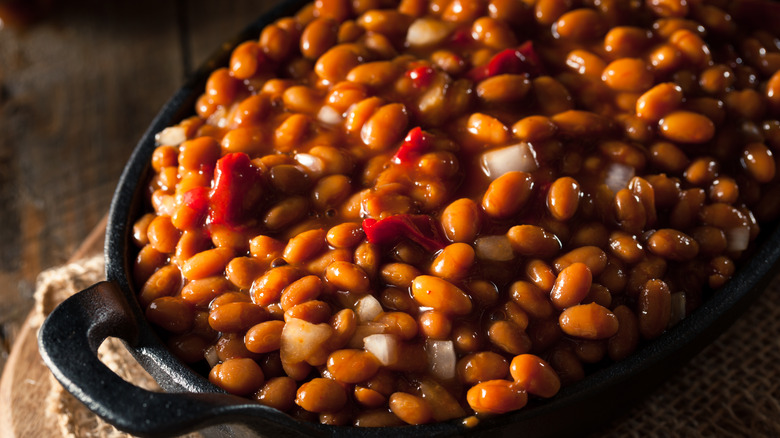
[588, 321]
[687, 127]
[532, 240]
[454, 261]
[571, 286]
[236, 317]
[239, 376]
[507, 194]
[563, 198]
[352, 366]
[410, 408]
[348, 277]
[496, 397]
[535, 375]
[626, 339]
[321, 395]
[440, 295]
[654, 308]
[673, 244]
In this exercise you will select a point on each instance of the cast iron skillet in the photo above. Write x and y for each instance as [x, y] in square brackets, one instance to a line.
[70, 336]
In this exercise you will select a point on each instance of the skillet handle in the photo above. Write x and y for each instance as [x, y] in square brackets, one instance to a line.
[68, 342]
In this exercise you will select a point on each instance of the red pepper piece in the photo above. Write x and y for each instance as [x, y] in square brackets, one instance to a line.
[197, 199]
[415, 143]
[462, 37]
[237, 190]
[522, 60]
[421, 229]
[421, 76]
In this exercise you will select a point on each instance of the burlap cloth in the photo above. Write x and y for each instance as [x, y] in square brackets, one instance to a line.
[732, 388]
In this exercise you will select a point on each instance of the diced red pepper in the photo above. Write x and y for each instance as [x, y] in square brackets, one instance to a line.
[421, 229]
[421, 76]
[462, 36]
[238, 187]
[522, 60]
[414, 145]
[197, 199]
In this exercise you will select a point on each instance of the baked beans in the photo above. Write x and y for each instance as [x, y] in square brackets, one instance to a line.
[404, 212]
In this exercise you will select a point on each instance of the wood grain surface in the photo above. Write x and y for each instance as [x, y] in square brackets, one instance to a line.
[78, 86]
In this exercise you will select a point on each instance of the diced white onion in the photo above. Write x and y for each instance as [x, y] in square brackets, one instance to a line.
[368, 308]
[313, 164]
[365, 330]
[384, 347]
[329, 115]
[497, 162]
[618, 176]
[497, 248]
[211, 356]
[171, 136]
[738, 238]
[432, 99]
[441, 358]
[678, 308]
[426, 32]
[302, 339]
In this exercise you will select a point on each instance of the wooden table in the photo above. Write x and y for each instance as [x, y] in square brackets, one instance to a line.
[78, 86]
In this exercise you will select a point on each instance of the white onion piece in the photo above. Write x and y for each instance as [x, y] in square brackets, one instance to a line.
[368, 308]
[211, 356]
[426, 32]
[441, 358]
[678, 308]
[432, 99]
[618, 176]
[497, 162]
[363, 331]
[301, 339]
[384, 347]
[329, 115]
[171, 136]
[738, 238]
[497, 248]
[313, 165]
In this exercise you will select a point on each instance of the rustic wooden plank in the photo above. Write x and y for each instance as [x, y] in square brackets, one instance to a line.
[77, 90]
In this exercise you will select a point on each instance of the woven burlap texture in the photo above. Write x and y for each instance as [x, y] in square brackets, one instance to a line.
[730, 389]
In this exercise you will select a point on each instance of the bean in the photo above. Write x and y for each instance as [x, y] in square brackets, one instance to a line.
[654, 308]
[305, 246]
[313, 311]
[507, 336]
[454, 261]
[534, 128]
[687, 127]
[628, 74]
[673, 244]
[507, 194]
[588, 321]
[385, 126]
[759, 162]
[531, 299]
[162, 235]
[240, 376]
[592, 256]
[321, 395]
[571, 286]
[540, 273]
[460, 220]
[496, 397]
[268, 287]
[164, 282]
[399, 274]
[626, 339]
[659, 101]
[278, 393]
[503, 88]
[551, 96]
[435, 325]
[626, 41]
[264, 337]
[236, 317]
[440, 295]
[625, 246]
[487, 129]
[580, 25]
[532, 240]
[567, 365]
[410, 408]
[171, 313]
[348, 277]
[207, 263]
[577, 123]
[563, 198]
[482, 366]
[535, 375]
[352, 366]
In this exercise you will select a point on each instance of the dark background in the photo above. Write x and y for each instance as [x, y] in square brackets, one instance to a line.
[79, 83]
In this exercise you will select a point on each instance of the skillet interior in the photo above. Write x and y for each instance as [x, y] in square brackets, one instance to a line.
[601, 396]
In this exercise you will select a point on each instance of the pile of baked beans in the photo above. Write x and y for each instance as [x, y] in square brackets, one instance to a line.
[406, 212]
